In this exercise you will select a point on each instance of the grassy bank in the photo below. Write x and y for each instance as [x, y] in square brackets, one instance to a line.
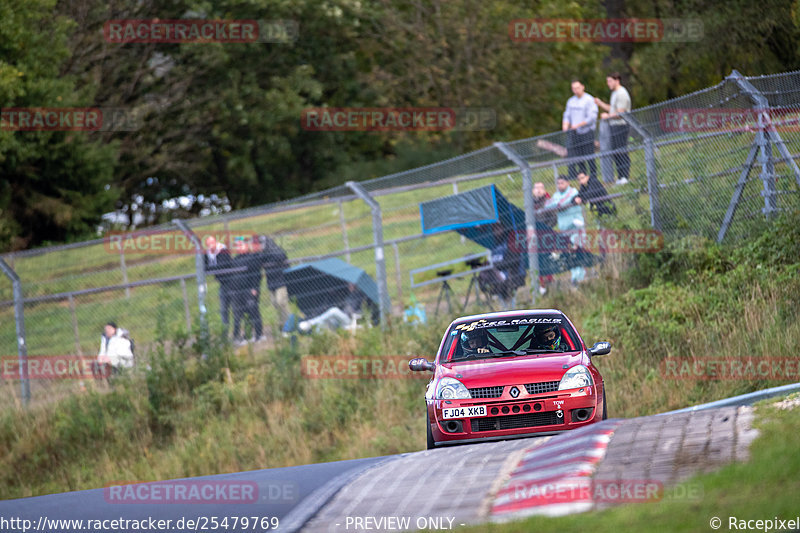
[231, 412]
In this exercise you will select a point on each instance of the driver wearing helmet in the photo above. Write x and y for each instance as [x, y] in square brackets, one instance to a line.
[475, 342]
[548, 337]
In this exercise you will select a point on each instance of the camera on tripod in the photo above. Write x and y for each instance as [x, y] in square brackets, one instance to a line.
[476, 262]
[448, 270]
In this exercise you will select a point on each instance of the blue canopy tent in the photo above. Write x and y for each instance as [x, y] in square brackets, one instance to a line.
[485, 216]
[318, 285]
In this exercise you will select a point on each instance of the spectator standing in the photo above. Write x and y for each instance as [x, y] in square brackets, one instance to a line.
[592, 193]
[116, 352]
[580, 121]
[216, 258]
[275, 262]
[620, 103]
[570, 218]
[247, 289]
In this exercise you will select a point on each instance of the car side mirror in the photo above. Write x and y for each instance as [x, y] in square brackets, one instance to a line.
[600, 348]
[419, 364]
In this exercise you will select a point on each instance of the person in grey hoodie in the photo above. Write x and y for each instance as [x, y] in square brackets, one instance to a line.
[580, 121]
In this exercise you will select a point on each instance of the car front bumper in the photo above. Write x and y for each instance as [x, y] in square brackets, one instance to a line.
[548, 413]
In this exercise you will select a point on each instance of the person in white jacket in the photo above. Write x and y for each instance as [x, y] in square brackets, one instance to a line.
[115, 353]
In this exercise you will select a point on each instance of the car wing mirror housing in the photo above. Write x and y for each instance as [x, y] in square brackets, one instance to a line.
[420, 364]
[600, 348]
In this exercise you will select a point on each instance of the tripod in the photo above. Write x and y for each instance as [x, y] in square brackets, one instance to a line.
[473, 282]
[445, 291]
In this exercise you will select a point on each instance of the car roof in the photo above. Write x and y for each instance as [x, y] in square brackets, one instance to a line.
[504, 314]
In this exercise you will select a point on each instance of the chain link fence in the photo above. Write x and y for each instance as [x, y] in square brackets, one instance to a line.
[718, 163]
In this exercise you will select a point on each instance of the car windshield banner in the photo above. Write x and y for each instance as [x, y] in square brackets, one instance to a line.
[481, 324]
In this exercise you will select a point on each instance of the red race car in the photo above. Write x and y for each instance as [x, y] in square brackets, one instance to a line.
[511, 374]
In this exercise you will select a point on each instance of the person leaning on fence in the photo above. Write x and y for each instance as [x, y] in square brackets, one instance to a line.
[620, 103]
[580, 121]
[548, 217]
[275, 262]
[247, 289]
[116, 352]
[540, 198]
[216, 258]
[570, 218]
[593, 194]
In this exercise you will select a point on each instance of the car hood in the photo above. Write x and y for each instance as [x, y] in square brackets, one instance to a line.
[512, 370]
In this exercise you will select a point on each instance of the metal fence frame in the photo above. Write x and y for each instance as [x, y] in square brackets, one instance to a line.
[521, 157]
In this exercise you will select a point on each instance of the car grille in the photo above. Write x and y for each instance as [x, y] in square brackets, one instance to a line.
[544, 386]
[486, 392]
[529, 420]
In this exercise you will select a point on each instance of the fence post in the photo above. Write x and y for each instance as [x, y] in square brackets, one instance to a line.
[200, 269]
[767, 174]
[19, 318]
[650, 165]
[186, 305]
[737, 193]
[455, 191]
[763, 141]
[71, 301]
[377, 234]
[767, 134]
[652, 183]
[124, 268]
[343, 224]
[530, 216]
[398, 275]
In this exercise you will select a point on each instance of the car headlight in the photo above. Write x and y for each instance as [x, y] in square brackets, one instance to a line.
[451, 389]
[576, 377]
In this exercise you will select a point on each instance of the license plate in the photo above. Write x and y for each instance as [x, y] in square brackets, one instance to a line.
[464, 412]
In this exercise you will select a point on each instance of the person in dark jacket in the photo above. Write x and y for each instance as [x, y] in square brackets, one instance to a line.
[247, 288]
[275, 262]
[216, 258]
[591, 189]
[507, 273]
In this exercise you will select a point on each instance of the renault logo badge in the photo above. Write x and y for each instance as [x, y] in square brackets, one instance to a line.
[514, 392]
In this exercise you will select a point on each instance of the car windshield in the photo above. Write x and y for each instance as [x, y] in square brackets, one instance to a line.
[510, 337]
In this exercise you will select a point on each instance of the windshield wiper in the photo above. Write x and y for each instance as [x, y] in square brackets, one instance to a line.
[507, 352]
[526, 351]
